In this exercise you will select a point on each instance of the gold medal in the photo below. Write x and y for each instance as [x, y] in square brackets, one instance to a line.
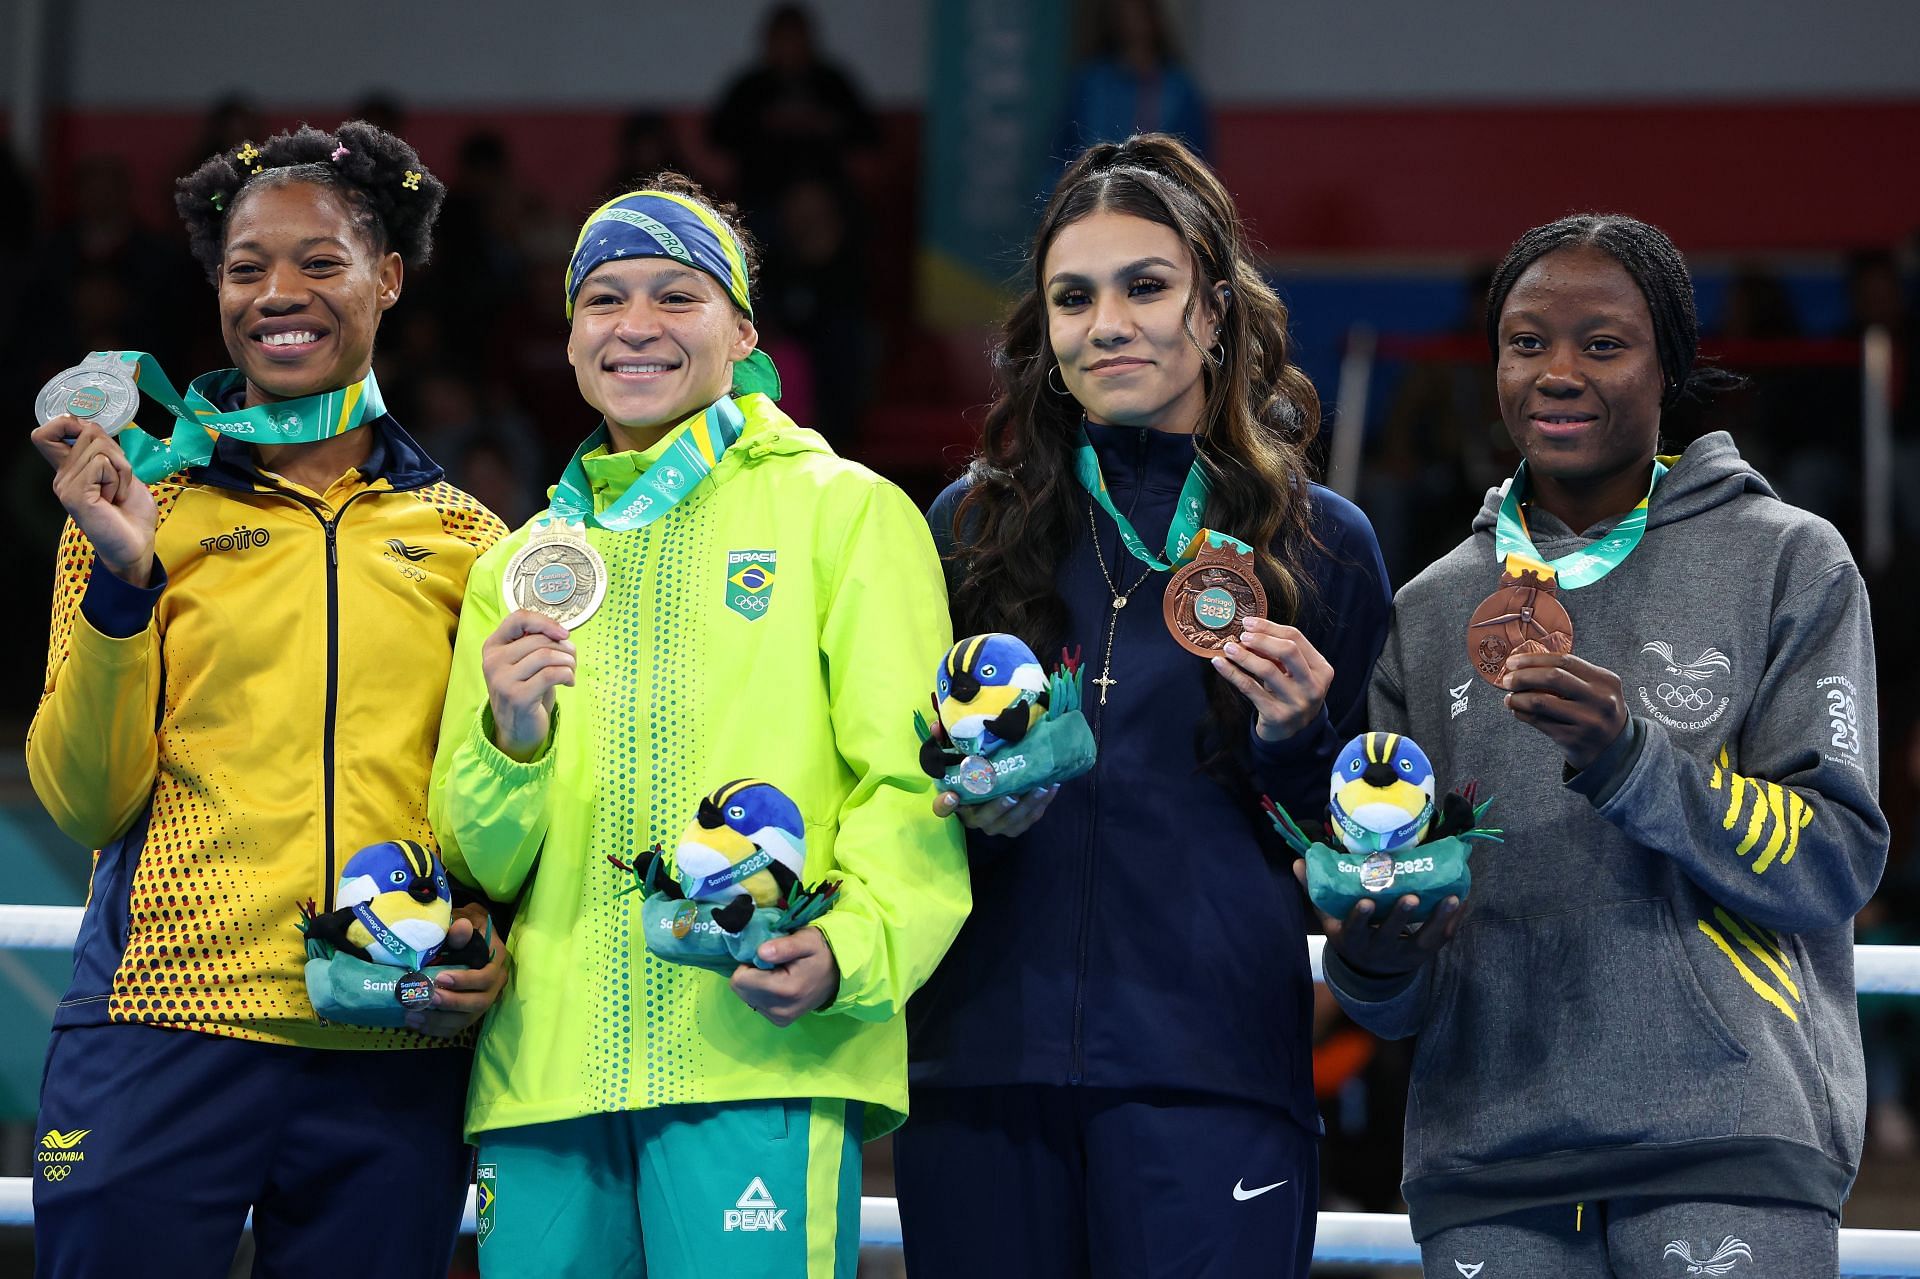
[557, 574]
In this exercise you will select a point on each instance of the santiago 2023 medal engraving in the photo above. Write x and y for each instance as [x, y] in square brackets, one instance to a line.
[1210, 598]
[101, 391]
[558, 574]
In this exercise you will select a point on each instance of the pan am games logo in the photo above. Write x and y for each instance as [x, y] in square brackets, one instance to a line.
[750, 578]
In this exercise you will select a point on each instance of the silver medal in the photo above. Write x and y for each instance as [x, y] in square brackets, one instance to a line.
[100, 390]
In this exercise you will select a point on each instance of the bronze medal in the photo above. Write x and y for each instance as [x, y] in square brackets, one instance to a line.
[1208, 600]
[1524, 616]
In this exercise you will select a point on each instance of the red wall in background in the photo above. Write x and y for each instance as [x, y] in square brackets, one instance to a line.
[1414, 180]
[1467, 180]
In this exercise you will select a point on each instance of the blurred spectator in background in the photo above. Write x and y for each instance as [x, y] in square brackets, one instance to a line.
[231, 120]
[382, 110]
[1822, 470]
[481, 229]
[1770, 412]
[792, 115]
[816, 295]
[1133, 83]
[647, 144]
[1442, 445]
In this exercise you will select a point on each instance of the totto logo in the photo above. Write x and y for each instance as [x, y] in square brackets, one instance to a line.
[241, 539]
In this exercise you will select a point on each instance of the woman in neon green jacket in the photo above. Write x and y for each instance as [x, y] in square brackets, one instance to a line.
[769, 611]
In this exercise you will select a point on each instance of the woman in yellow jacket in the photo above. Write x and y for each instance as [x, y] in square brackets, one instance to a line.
[249, 647]
[770, 611]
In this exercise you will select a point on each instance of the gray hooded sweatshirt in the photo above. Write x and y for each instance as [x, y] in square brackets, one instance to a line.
[1652, 993]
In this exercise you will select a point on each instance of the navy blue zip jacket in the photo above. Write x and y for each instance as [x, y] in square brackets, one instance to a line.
[1147, 932]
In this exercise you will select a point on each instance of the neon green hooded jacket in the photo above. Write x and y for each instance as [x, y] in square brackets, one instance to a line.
[692, 673]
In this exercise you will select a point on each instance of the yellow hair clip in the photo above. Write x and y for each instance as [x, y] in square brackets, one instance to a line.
[412, 181]
[248, 154]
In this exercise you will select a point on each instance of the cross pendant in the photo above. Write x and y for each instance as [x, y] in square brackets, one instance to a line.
[1105, 682]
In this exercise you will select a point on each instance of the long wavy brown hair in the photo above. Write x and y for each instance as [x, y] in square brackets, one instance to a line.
[1024, 508]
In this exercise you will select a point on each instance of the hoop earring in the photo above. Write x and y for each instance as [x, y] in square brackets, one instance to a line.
[1063, 383]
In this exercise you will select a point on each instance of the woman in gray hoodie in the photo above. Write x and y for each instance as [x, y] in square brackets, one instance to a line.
[1639, 1050]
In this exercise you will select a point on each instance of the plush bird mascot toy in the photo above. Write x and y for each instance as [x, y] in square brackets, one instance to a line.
[368, 960]
[733, 882]
[1393, 838]
[1001, 723]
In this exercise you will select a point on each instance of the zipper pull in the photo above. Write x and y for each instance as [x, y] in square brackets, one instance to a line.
[333, 545]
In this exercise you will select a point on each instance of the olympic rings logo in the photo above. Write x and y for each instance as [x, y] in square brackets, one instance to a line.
[1684, 695]
[751, 603]
[56, 1172]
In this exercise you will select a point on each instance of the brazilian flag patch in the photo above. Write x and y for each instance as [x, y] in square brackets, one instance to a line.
[484, 1199]
[750, 577]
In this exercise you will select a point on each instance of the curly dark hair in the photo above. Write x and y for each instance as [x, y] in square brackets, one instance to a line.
[376, 177]
[1646, 254]
[674, 182]
[1024, 508]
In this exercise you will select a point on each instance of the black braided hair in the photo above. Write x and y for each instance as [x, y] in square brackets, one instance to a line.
[1655, 265]
[391, 196]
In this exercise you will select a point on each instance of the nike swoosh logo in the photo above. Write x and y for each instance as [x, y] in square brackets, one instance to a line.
[1240, 1192]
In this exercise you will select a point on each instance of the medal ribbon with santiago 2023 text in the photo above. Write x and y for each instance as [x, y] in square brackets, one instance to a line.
[297, 421]
[1583, 567]
[1184, 534]
[693, 449]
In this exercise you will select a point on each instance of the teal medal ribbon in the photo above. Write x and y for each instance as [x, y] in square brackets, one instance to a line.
[693, 450]
[1183, 534]
[1511, 540]
[303, 420]
[386, 936]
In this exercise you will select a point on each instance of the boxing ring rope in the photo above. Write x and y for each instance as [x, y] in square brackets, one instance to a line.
[1351, 1238]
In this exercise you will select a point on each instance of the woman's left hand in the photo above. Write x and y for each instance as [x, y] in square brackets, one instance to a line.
[462, 997]
[1579, 705]
[804, 976]
[1282, 674]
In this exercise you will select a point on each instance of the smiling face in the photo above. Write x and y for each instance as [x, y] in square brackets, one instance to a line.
[301, 292]
[654, 342]
[1116, 293]
[1579, 383]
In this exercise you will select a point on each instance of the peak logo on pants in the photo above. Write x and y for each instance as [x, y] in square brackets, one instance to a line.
[754, 1210]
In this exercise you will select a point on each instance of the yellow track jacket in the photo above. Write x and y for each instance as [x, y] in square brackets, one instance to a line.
[229, 738]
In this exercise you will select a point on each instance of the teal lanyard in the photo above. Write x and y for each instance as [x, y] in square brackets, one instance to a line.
[693, 450]
[297, 421]
[1183, 533]
[1579, 568]
[752, 864]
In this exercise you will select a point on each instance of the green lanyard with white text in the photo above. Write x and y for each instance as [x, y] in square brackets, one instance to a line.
[1578, 568]
[692, 451]
[302, 420]
[1184, 534]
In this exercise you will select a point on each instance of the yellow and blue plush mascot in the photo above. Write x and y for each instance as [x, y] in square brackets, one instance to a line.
[1393, 839]
[393, 906]
[1382, 793]
[734, 881]
[1001, 723]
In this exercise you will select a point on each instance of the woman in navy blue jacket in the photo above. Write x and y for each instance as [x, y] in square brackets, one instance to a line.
[1111, 1070]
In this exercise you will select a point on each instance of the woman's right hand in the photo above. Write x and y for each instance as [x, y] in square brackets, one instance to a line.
[526, 658]
[1378, 945]
[1008, 815]
[95, 482]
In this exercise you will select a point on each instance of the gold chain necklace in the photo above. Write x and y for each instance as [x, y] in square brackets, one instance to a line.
[1106, 680]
